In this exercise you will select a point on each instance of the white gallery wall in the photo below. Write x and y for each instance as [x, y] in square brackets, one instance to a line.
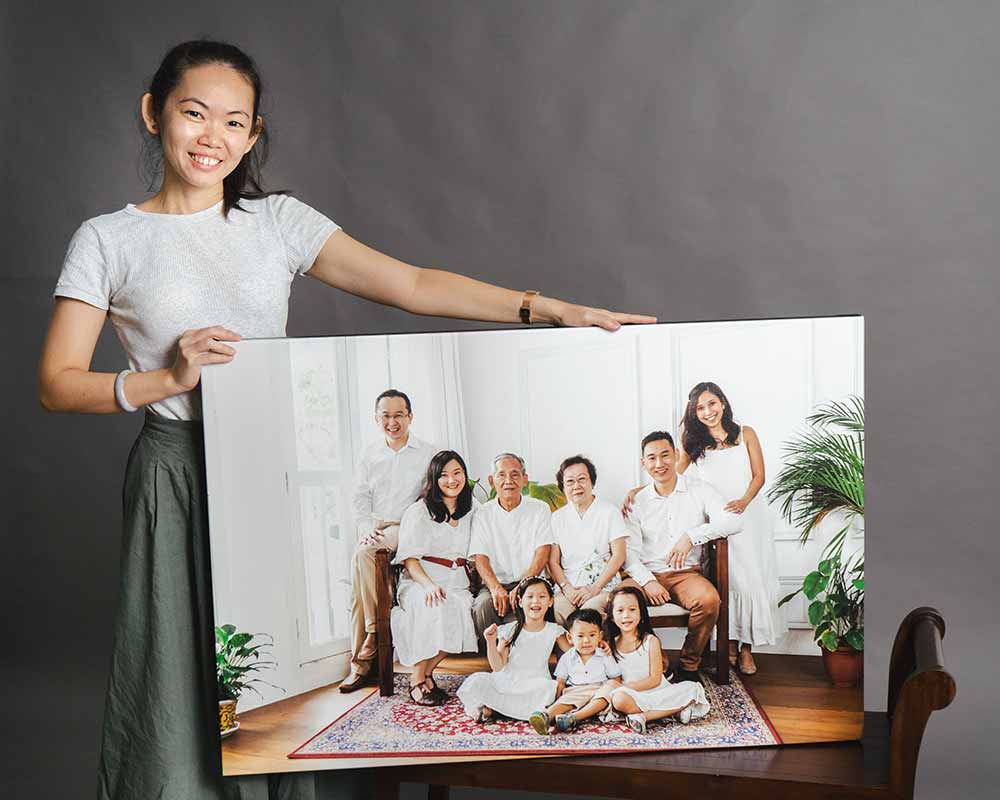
[288, 419]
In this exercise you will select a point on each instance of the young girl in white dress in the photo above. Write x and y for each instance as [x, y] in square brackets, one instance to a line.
[518, 652]
[434, 615]
[645, 694]
[728, 456]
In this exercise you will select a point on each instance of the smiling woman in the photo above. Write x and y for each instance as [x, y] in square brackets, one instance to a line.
[207, 259]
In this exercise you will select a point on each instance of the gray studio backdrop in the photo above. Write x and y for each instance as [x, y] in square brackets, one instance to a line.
[696, 160]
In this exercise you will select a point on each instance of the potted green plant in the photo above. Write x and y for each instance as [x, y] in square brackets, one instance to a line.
[547, 492]
[824, 473]
[239, 658]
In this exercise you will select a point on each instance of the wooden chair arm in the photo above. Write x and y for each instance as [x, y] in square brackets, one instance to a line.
[918, 685]
[383, 600]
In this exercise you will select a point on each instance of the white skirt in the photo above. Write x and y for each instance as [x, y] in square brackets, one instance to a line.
[669, 696]
[420, 631]
[511, 695]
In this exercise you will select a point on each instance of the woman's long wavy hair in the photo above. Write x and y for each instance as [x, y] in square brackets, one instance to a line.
[611, 629]
[695, 436]
[244, 182]
[522, 587]
[431, 494]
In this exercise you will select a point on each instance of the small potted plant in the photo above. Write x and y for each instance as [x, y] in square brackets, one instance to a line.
[824, 473]
[239, 658]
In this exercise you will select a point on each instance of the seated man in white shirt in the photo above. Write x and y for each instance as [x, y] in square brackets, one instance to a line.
[589, 542]
[388, 480]
[510, 541]
[676, 514]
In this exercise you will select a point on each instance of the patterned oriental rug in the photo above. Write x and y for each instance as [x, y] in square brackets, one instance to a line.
[393, 726]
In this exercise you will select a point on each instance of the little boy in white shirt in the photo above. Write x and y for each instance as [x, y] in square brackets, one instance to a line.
[586, 674]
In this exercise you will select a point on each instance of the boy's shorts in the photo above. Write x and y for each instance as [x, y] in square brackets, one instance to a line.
[579, 696]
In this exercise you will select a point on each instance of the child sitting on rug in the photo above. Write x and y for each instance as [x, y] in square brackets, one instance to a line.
[519, 656]
[645, 694]
[585, 676]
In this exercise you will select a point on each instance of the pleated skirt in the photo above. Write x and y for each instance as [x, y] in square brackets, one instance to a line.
[161, 735]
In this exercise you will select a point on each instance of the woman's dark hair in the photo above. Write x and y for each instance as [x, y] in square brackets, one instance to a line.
[695, 438]
[522, 587]
[612, 631]
[244, 182]
[577, 459]
[431, 492]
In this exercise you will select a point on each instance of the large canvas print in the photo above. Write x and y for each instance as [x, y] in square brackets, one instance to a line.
[494, 544]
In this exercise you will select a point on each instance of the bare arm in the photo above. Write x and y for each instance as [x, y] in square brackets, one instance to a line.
[65, 382]
[555, 567]
[683, 460]
[356, 268]
[652, 680]
[611, 568]
[756, 462]
[496, 652]
[538, 562]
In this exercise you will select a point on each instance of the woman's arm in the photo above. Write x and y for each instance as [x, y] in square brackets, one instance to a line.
[433, 594]
[683, 461]
[356, 268]
[65, 382]
[611, 568]
[752, 444]
[563, 642]
[555, 566]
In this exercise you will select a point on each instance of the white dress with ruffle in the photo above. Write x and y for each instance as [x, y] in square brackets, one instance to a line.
[754, 617]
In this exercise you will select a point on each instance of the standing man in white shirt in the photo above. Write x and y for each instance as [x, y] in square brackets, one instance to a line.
[389, 477]
[677, 514]
[511, 539]
[589, 541]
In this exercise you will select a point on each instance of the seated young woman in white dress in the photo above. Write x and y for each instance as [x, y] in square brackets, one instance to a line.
[434, 615]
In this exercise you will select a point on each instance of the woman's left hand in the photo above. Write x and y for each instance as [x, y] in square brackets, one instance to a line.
[736, 506]
[574, 316]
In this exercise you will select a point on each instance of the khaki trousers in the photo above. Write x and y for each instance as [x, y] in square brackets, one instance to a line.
[563, 607]
[693, 591]
[363, 596]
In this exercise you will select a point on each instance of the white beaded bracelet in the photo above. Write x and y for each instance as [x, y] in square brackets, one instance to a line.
[123, 403]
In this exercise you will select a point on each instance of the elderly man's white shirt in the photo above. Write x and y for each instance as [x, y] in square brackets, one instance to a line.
[388, 481]
[585, 542]
[694, 507]
[509, 538]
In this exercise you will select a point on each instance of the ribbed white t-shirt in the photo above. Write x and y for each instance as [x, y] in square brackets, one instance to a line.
[159, 275]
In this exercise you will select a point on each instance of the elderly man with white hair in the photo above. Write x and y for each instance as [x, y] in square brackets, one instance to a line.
[511, 538]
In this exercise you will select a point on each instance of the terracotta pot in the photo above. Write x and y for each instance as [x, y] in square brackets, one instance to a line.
[227, 714]
[844, 665]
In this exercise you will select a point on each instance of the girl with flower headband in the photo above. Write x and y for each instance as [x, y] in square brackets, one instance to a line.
[518, 654]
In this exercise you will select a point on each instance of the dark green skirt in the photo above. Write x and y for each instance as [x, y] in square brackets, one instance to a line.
[161, 725]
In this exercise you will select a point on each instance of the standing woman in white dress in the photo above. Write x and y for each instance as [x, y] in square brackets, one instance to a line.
[183, 274]
[728, 456]
[434, 615]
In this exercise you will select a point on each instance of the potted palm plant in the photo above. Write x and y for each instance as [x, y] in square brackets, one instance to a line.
[824, 473]
[239, 658]
[547, 492]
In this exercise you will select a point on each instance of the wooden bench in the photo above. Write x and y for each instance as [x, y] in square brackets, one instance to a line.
[882, 765]
[668, 615]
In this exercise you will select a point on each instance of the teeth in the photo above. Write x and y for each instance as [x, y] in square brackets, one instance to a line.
[205, 160]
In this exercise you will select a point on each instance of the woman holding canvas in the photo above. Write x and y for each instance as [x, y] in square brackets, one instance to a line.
[208, 259]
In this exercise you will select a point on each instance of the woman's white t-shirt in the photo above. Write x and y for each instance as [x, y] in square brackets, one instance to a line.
[159, 275]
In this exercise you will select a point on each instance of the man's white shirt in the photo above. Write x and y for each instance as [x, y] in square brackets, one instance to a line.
[510, 538]
[388, 481]
[694, 507]
[585, 542]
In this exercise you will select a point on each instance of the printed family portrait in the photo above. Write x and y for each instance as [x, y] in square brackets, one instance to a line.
[443, 546]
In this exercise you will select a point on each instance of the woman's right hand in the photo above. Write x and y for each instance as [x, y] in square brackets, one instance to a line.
[433, 595]
[626, 508]
[199, 347]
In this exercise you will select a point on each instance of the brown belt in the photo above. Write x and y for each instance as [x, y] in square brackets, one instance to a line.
[445, 562]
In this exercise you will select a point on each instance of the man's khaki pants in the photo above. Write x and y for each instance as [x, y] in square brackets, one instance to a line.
[693, 591]
[363, 596]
